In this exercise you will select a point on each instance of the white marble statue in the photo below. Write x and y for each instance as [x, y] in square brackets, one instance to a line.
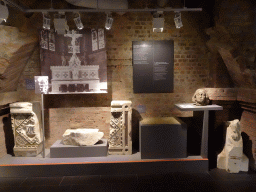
[81, 137]
[201, 97]
[26, 129]
[232, 158]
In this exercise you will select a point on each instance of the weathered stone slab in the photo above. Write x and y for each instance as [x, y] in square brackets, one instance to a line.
[81, 137]
[232, 158]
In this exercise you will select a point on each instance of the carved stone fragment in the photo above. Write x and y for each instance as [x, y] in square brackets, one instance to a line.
[26, 129]
[80, 137]
[201, 97]
[232, 158]
[120, 136]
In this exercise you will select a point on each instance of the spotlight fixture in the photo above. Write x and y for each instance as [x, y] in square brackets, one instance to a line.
[46, 21]
[60, 23]
[78, 21]
[158, 21]
[177, 20]
[109, 21]
[4, 13]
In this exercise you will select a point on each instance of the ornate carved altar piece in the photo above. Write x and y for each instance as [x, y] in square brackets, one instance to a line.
[232, 158]
[26, 129]
[120, 136]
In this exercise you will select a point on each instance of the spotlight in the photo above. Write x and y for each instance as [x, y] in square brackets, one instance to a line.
[78, 21]
[158, 22]
[109, 21]
[46, 21]
[177, 20]
[60, 23]
[3, 12]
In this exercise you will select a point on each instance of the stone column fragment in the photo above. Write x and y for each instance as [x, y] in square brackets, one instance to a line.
[26, 129]
[120, 137]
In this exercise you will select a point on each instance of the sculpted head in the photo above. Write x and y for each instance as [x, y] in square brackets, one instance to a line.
[201, 97]
[235, 129]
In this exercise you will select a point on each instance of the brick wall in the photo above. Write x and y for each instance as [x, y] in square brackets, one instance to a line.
[191, 71]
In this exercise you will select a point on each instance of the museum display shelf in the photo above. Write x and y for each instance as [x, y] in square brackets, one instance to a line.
[11, 166]
[205, 109]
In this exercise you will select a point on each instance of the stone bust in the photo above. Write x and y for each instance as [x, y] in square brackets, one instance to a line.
[200, 97]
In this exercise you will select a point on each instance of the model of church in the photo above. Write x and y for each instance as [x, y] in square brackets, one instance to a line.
[75, 77]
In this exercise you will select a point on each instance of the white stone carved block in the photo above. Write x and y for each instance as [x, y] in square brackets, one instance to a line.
[120, 136]
[232, 158]
[26, 128]
[81, 137]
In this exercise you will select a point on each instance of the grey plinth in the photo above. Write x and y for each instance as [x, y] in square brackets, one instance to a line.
[206, 109]
[162, 138]
[58, 150]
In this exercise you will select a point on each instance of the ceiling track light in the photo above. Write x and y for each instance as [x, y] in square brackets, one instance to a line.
[4, 13]
[158, 21]
[78, 21]
[46, 21]
[60, 23]
[177, 20]
[109, 21]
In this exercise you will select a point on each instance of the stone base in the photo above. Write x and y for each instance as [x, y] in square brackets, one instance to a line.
[162, 138]
[58, 150]
[233, 165]
[28, 152]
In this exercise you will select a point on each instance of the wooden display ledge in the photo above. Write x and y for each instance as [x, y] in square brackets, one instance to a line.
[110, 165]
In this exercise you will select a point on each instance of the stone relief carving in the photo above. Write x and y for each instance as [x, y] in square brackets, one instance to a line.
[26, 129]
[80, 137]
[232, 158]
[201, 97]
[120, 141]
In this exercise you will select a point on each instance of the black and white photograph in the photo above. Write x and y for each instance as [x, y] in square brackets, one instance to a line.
[73, 62]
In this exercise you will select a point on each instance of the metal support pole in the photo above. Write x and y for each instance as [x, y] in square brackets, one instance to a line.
[42, 105]
[204, 144]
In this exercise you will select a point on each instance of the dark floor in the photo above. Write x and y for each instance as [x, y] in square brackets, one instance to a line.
[214, 180]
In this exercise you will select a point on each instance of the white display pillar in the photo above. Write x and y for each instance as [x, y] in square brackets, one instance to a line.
[206, 109]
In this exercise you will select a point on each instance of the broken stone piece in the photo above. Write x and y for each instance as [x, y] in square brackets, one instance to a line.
[232, 158]
[81, 137]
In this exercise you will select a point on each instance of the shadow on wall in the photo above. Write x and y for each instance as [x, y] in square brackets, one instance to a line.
[247, 149]
[194, 133]
[136, 118]
[9, 138]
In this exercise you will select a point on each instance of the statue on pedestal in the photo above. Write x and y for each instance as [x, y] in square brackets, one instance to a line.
[232, 158]
[201, 97]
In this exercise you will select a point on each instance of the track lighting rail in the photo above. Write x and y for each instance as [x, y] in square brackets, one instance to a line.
[168, 9]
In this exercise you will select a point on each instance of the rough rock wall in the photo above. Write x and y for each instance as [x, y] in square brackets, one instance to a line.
[16, 49]
[233, 38]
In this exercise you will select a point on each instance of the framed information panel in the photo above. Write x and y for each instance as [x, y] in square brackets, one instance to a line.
[153, 66]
